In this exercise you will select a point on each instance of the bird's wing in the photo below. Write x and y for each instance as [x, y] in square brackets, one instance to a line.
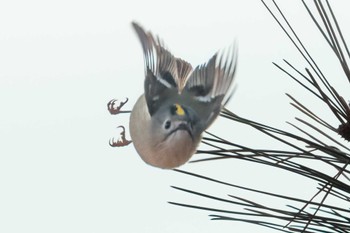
[210, 83]
[163, 71]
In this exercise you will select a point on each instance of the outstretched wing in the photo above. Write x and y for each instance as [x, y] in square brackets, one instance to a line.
[210, 83]
[164, 73]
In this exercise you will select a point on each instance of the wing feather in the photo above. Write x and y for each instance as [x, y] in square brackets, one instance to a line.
[162, 70]
[214, 78]
[210, 83]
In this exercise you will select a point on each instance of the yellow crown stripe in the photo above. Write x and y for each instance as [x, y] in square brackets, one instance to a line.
[179, 110]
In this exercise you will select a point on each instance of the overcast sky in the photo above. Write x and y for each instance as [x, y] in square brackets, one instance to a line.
[62, 61]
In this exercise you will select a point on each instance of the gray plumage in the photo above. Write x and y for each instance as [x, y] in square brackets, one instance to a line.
[179, 103]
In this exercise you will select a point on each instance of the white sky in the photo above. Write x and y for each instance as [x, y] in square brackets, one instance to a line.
[61, 62]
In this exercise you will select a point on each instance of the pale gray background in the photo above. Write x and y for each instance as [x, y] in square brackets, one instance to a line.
[61, 62]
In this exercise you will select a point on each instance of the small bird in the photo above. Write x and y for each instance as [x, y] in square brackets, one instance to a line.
[179, 103]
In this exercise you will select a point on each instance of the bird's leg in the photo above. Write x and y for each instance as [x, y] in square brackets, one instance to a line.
[122, 141]
[113, 109]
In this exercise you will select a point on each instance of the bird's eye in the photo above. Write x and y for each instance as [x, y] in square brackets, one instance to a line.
[167, 124]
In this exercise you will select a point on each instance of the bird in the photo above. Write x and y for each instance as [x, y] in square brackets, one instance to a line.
[179, 102]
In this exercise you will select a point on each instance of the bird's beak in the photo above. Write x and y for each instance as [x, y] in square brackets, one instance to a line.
[184, 125]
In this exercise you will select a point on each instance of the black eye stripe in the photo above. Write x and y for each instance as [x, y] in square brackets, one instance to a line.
[186, 111]
[173, 109]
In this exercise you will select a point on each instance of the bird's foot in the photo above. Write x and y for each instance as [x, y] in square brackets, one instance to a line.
[121, 141]
[113, 109]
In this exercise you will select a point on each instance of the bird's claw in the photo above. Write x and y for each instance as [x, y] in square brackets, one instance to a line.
[122, 141]
[116, 109]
